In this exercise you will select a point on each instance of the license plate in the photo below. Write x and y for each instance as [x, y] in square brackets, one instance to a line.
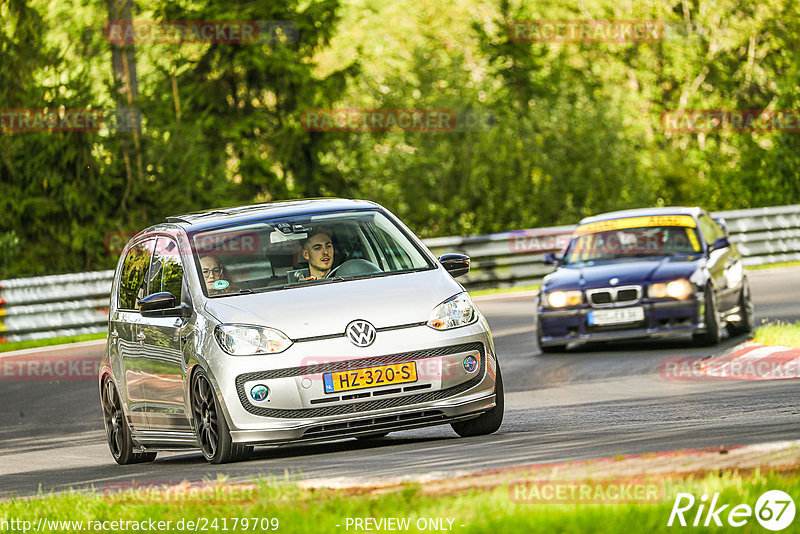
[618, 316]
[370, 377]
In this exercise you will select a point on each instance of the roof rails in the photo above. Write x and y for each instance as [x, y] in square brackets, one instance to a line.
[189, 217]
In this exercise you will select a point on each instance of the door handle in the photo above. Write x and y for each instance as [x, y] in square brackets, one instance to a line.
[114, 335]
[140, 336]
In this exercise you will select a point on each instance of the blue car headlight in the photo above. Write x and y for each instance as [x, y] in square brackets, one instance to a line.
[559, 299]
[680, 289]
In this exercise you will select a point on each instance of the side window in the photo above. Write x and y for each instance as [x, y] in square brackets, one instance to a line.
[133, 281]
[710, 229]
[166, 273]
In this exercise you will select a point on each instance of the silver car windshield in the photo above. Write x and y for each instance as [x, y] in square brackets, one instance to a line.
[292, 252]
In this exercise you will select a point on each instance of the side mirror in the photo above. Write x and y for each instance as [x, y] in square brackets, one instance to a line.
[455, 264]
[720, 242]
[551, 259]
[162, 305]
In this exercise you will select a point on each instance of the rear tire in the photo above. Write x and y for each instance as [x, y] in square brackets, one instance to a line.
[713, 332]
[489, 421]
[210, 425]
[747, 322]
[118, 433]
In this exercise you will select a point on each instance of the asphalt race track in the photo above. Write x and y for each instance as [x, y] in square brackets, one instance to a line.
[594, 402]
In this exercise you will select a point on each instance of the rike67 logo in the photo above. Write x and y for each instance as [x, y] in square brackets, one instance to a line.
[774, 511]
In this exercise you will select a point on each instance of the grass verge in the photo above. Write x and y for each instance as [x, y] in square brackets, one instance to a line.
[773, 265]
[18, 345]
[781, 334]
[471, 510]
[501, 290]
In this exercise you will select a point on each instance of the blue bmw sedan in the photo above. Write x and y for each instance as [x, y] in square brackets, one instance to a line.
[642, 273]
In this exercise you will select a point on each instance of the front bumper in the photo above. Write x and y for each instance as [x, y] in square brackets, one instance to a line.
[299, 409]
[385, 421]
[662, 318]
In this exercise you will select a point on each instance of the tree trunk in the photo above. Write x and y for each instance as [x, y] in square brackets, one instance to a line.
[126, 92]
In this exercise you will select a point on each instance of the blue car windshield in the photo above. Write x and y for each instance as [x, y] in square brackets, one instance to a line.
[620, 243]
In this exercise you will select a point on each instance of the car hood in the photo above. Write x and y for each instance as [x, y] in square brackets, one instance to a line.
[327, 309]
[628, 272]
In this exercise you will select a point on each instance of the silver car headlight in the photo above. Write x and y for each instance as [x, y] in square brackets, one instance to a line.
[454, 312]
[245, 340]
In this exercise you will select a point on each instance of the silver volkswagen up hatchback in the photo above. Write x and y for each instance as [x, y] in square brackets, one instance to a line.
[289, 322]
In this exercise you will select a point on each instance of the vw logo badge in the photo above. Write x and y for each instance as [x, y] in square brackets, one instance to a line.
[613, 281]
[361, 333]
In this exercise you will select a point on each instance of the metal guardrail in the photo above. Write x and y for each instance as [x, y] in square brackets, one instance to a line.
[762, 235]
[70, 304]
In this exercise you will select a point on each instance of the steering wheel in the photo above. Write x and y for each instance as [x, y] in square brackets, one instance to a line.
[355, 267]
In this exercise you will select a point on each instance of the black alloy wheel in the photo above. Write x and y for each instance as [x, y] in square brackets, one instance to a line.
[210, 425]
[118, 433]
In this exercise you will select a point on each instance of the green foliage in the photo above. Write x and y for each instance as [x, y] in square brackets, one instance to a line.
[563, 130]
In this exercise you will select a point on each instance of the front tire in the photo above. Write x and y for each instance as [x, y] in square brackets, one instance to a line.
[488, 422]
[747, 322]
[713, 332]
[118, 433]
[210, 425]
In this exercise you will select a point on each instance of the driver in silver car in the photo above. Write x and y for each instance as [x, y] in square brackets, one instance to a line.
[317, 248]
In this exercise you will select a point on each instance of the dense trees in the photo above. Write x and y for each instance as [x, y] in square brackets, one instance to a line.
[555, 131]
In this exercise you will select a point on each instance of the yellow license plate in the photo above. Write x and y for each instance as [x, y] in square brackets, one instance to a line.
[370, 377]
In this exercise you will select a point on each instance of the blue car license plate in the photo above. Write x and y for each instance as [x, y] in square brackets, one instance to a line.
[617, 316]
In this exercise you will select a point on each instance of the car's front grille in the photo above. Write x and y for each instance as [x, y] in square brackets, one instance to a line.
[346, 365]
[360, 405]
[376, 393]
[380, 424]
[601, 297]
[610, 296]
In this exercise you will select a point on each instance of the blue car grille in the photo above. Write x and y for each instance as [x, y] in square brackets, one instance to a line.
[608, 296]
